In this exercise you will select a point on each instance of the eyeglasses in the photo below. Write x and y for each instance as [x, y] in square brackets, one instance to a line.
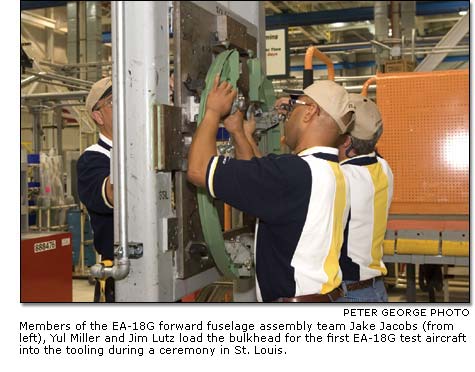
[291, 106]
[105, 104]
[294, 102]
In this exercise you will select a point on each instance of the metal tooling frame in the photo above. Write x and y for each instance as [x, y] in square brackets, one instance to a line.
[197, 35]
[151, 212]
[159, 210]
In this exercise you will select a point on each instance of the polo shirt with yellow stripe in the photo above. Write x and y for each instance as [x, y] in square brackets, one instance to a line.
[370, 180]
[302, 205]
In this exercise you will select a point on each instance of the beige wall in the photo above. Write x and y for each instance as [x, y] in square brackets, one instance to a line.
[38, 37]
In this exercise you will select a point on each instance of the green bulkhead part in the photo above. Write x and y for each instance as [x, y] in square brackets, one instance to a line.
[226, 64]
[261, 91]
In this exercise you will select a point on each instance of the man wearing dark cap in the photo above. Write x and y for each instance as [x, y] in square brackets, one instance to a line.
[95, 182]
[371, 187]
[300, 198]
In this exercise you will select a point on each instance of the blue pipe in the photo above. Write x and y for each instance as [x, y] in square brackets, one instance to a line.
[358, 14]
[349, 65]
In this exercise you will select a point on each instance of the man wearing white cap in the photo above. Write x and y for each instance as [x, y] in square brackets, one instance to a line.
[301, 199]
[371, 185]
[95, 184]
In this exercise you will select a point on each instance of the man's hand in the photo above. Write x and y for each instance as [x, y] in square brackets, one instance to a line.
[234, 123]
[220, 98]
[250, 126]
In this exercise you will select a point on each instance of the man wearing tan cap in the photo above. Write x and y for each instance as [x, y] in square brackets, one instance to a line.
[300, 198]
[371, 186]
[95, 185]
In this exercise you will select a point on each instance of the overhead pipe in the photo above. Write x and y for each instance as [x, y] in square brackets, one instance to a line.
[308, 68]
[79, 83]
[64, 79]
[370, 81]
[56, 96]
[362, 45]
[375, 42]
[338, 79]
[60, 84]
[74, 65]
[28, 80]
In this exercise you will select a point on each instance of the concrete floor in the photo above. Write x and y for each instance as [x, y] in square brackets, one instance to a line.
[84, 292]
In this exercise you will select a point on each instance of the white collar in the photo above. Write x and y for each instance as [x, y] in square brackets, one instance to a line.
[370, 155]
[315, 149]
[105, 139]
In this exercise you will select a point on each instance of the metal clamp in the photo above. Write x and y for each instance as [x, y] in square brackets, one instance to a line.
[134, 250]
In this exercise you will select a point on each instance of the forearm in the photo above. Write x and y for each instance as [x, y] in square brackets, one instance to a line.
[203, 148]
[255, 149]
[109, 191]
[242, 147]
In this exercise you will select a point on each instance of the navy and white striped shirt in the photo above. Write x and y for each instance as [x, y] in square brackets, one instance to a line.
[93, 168]
[301, 203]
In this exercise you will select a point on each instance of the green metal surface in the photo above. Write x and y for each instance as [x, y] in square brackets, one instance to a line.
[266, 92]
[226, 64]
[255, 79]
[261, 90]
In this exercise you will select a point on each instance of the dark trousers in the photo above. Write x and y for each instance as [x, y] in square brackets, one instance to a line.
[107, 292]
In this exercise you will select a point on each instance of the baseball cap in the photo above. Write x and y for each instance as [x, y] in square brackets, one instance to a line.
[334, 99]
[367, 117]
[100, 89]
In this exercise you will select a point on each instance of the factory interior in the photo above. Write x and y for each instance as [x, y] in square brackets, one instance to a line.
[172, 243]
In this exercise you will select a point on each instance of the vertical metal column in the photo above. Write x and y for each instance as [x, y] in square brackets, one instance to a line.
[73, 30]
[94, 39]
[58, 122]
[381, 29]
[36, 130]
[37, 140]
[49, 47]
[408, 19]
[144, 80]
[395, 19]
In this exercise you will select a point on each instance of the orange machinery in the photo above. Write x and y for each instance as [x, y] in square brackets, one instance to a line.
[426, 142]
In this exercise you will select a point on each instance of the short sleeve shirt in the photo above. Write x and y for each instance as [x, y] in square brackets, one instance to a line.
[301, 203]
[371, 186]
